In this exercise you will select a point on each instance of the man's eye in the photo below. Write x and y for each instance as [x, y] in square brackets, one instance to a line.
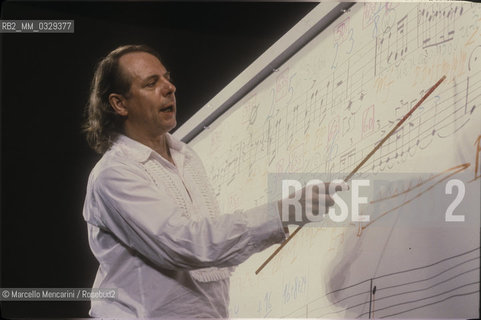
[150, 84]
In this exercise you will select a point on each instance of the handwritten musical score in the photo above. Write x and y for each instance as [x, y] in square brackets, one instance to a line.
[448, 278]
[321, 113]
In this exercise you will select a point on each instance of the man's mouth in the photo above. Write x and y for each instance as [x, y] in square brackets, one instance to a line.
[167, 109]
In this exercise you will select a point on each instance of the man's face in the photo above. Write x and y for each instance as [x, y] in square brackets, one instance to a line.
[150, 103]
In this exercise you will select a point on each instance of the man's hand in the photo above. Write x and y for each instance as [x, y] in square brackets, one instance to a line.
[310, 203]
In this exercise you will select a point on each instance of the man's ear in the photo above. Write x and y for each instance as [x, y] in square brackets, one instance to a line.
[117, 102]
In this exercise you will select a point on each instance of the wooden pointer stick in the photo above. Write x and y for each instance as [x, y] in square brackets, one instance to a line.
[353, 172]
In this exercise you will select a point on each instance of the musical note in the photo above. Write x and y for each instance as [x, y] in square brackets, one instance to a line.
[322, 105]
[391, 49]
[436, 25]
[368, 121]
[341, 31]
[311, 107]
[325, 120]
[340, 92]
[273, 129]
[346, 160]
[401, 39]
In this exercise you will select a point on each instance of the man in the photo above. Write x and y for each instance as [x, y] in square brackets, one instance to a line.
[153, 221]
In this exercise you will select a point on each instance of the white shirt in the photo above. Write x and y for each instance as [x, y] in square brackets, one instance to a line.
[156, 231]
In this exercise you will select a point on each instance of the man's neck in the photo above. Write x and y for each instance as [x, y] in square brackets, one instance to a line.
[162, 147]
[157, 143]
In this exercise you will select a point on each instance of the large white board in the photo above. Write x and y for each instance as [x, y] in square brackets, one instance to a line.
[322, 112]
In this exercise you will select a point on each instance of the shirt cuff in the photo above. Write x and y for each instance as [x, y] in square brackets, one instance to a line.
[265, 226]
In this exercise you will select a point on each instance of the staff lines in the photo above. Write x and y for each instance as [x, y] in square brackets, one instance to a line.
[300, 123]
[428, 287]
[421, 299]
[245, 153]
[380, 289]
[324, 118]
[421, 135]
[433, 303]
[413, 42]
[325, 124]
[303, 97]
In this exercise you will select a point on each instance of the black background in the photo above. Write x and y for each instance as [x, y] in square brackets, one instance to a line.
[45, 81]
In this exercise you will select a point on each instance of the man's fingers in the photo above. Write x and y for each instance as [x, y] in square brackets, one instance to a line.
[329, 201]
[325, 200]
[326, 187]
[337, 185]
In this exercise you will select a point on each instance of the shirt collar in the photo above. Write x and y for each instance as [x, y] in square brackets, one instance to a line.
[176, 144]
[140, 152]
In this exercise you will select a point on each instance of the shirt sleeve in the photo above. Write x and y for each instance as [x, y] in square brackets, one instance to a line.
[150, 222]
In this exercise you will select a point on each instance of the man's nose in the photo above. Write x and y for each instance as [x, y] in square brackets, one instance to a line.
[168, 88]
